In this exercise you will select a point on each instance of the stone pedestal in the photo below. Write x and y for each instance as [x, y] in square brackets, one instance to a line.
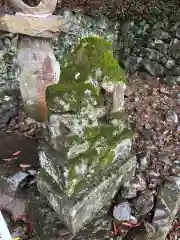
[85, 157]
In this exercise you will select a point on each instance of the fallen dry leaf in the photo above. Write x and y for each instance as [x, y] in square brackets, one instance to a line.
[24, 165]
[16, 153]
[8, 159]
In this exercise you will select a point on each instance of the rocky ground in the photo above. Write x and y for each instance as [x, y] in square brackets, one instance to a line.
[154, 113]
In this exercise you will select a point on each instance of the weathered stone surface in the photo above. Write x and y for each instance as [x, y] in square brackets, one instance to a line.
[152, 54]
[75, 213]
[153, 41]
[172, 80]
[174, 49]
[89, 140]
[166, 209]
[160, 34]
[8, 69]
[38, 69]
[44, 7]
[97, 25]
[170, 63]
[153, 67]
[46, 224]
[48, 27]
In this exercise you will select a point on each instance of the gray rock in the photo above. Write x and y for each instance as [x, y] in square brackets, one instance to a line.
[131, 188]
[172, 80]
[153, 54]
[133, 63]
[122, 211]
[161, 46]
[177, 33]
[166, 208]
[161, 218]
[170, 63]
[176, 71]
[174, 49]
[171, 117]
[159, 25]
[154, 68]
[160, 34]
[143, 162]
[16, 179]
[144, 203]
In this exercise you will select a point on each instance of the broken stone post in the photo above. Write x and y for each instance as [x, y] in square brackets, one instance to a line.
[38, 67]
[85, 157]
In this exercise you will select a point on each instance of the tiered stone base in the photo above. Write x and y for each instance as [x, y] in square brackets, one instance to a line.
[75, 214]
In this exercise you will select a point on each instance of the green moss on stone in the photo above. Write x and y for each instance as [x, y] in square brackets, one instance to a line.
[90, 55]
[79, 95]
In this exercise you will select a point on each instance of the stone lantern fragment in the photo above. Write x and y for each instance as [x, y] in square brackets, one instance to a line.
[37, 64]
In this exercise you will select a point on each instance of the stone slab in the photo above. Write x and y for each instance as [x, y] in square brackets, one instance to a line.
[75, 214]
[166, 209]
[48, 27]
[47, 226]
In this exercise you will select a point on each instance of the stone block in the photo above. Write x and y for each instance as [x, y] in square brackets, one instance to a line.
[76, 211]
[166, 209]
[48, 27]
[154, 68]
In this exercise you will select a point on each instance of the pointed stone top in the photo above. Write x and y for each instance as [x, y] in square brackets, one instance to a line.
[44, 7]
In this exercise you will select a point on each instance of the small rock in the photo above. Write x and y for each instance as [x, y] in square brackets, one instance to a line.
[22, 115]
[147, 126]
[30, 121]
[178, 129]
[153, 174]
[160, 34]
[163, 90]
[144, 203]
[154, 68]
[129, 192]
[16, 179]
[13, 123]
[161, 215]
[24, 127]
[170, 63]
[137, 99]
[122, 212]
[130, 189]
[146, 133]
[171, 117]
[143, 161]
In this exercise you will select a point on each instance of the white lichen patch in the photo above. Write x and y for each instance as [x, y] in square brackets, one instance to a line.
[77, 75]
[108, 86]
[123, 149]
[76, 149]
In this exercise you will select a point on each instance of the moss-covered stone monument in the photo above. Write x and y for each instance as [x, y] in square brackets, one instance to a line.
[86, 155]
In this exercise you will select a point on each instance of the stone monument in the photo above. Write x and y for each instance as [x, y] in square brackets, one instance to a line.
[85, 157]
